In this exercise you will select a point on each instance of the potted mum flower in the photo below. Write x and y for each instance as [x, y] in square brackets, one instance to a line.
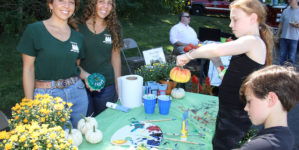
[44, 109]
[158, 72]
[155, 72]
[35, 136]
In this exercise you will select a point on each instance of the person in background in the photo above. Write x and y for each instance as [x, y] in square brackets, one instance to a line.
[289, 29]
[103, 41]
[182, 34]
[51, 51]
[251, 51]
[268, 103]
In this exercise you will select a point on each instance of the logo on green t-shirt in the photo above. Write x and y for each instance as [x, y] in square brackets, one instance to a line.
[75, 47]
[107, 39]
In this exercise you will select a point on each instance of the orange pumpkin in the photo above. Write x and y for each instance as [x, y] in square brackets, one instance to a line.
[180, 75]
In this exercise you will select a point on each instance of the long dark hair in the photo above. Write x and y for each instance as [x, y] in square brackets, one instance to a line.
[111, 20]
[255, 6]
[71, 21]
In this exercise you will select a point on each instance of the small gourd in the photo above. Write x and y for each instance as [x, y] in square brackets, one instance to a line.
[178, 93]
[73, 134]
[94, 135]
[86, 123]
[180, 75]
[96, 81]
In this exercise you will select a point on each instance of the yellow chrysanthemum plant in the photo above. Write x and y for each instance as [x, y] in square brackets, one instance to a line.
[34, 136]
[37, 124]
[44, 109]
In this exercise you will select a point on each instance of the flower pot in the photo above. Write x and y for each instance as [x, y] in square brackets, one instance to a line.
[170, 85]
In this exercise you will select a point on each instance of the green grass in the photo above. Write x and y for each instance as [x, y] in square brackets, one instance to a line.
[149, 33]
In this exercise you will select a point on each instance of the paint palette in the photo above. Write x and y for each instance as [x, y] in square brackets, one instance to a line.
[138, 133]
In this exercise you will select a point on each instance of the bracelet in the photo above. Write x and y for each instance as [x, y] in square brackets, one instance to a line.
[221, 74]
[188, 55]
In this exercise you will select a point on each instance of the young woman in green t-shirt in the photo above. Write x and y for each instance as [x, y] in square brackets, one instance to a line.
[51, 51]
[103, 41]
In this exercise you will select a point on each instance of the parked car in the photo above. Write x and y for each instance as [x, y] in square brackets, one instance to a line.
[200, 7]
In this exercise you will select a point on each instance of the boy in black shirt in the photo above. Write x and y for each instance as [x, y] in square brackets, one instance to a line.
[270, 93]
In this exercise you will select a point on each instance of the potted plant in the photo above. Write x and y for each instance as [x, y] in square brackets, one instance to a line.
[158, 72]
[155, 72]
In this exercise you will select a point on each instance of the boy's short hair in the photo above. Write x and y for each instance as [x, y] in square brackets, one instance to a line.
[283, 81]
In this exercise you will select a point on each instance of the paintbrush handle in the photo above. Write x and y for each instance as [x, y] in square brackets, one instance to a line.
[182, 141]
[158, 120]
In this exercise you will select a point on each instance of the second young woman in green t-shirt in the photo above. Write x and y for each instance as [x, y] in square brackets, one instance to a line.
[103, 41]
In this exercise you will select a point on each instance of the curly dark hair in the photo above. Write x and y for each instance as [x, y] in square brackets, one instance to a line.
[113, 24]
[71, 21]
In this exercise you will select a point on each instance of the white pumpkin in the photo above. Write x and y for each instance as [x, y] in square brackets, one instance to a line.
[93, 135]
[75, 135]
[86, 123]
[178, 93]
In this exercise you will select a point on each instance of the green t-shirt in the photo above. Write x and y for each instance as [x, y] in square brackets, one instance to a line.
[54, 59]
[97, 50]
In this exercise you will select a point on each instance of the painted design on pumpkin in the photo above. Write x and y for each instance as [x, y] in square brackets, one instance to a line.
[96, 81]
[180, 75]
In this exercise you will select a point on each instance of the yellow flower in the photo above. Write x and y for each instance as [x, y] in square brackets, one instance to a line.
[52, 135]
[8, 146]
[75, 148]
[22, 138]
[62, 119]
[16, 117]
[4, 135]
[58, 99]
[36, 147]
[27, 111]
[49, 145]
[59, 113]
[42, 119]
[18, 112]
[25, 145]
[59, 106]
[69, 104]
[25, 120]
[14, 138]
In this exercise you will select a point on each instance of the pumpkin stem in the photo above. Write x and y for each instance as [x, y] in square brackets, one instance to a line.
[70, 127]
[94, 128]
[181, 68]
[84, 117]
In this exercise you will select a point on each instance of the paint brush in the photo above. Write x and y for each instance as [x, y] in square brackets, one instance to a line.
[176, 140]
[163, 148]
[178, 134]
[159, 120]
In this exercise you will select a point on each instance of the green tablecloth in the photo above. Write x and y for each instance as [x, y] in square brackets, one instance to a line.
[202, 118]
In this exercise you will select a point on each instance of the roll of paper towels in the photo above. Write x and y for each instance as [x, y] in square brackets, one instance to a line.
[130, 90]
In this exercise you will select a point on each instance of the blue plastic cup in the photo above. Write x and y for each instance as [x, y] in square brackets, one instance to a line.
[149, 101]
[164, 102]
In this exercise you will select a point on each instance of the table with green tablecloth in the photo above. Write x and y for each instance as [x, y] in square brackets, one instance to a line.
[201, 123]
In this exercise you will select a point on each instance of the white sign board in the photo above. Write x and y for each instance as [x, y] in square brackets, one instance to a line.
[155, 55]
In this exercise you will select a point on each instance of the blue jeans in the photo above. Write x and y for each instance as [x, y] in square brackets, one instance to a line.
[288, 49]
[97, 100]
[74, 94]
